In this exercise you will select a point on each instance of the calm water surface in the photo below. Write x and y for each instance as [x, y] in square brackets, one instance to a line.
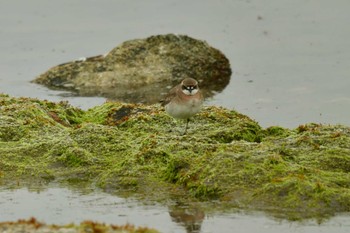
[62, 206]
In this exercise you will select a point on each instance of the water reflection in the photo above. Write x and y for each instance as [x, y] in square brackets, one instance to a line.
[148, 94]
[190, 217]
[62, 205]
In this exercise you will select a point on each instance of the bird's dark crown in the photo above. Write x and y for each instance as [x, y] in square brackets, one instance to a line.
[189, 84]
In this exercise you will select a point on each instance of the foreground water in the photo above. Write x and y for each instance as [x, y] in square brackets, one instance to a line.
[61, 205]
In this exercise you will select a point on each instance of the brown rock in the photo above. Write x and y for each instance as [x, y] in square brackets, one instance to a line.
[142, 70]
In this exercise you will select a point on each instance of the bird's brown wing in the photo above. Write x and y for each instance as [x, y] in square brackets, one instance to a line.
[169, 96]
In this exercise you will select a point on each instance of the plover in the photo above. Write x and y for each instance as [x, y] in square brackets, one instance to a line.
[184, 100]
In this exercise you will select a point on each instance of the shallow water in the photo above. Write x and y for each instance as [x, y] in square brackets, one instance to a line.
[59, 205]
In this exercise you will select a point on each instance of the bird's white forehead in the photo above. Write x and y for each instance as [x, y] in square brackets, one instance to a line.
[187, 92]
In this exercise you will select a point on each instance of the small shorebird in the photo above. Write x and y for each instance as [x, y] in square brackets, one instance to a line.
[184, 100]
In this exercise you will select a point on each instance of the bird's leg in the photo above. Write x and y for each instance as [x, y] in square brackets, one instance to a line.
[187, 120]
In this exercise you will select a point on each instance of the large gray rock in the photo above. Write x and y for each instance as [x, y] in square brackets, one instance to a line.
[143, 70]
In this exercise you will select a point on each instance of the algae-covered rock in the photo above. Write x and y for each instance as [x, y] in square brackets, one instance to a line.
[225, 156]
[142, 70]
[34, 226]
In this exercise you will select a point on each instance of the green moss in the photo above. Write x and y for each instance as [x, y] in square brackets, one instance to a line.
[225, 155]
[277, 131]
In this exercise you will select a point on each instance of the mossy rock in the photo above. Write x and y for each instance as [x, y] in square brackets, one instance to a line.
[142, 70]
[225, 156]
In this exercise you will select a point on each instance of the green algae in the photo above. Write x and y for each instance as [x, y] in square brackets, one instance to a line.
[225, 156]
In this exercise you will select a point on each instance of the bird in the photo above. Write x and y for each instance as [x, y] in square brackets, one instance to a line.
[184, 100]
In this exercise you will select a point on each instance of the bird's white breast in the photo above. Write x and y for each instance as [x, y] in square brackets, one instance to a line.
[185, 109]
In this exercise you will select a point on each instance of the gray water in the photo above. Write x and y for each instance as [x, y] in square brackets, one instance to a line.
[290, 59]
[290, 62]
[64, 206]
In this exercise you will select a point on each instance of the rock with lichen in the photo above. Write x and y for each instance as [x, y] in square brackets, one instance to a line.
[226, 156]
[142, 70]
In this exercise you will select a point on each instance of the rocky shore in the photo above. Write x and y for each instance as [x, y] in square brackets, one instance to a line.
[226, 156]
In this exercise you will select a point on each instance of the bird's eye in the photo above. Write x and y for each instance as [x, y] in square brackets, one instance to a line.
[189, 88]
